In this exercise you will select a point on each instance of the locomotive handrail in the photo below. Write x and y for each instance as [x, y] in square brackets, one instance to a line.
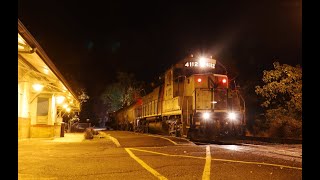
[244, 108]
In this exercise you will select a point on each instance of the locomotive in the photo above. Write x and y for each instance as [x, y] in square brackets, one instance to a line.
[193, 102]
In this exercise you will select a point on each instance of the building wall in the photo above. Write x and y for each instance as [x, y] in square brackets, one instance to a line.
[57, 130]
[24, 119]
[28, 122]
[41, 131]
[45, 131]
[51, 127]
[33, 112]
[23, 128]
[53, 110]
[23, 97]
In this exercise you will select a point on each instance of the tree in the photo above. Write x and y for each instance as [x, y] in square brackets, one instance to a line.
[112, 96]
[82, 96]
[282, 95]
[80, 91]
[122, 93]
[83, 99]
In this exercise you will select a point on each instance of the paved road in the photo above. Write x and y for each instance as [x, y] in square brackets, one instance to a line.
[127, 155]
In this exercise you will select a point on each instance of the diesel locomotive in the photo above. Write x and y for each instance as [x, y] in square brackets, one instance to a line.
[194, 101]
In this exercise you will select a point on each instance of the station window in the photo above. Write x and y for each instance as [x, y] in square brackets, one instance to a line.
[42, 110]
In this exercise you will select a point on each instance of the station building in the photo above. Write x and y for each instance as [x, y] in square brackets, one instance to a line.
[44, 96]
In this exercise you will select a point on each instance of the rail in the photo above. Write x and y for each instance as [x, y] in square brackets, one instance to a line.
[271, 140]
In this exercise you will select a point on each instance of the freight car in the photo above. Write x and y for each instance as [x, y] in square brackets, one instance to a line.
[193, 101]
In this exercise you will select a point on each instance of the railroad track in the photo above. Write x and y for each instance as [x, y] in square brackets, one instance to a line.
[248, 140]
[271, 140]
[245, 140]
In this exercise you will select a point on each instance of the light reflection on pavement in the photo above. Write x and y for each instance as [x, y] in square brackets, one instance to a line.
[283, 151]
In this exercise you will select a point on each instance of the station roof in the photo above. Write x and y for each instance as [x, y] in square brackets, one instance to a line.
[33, 60]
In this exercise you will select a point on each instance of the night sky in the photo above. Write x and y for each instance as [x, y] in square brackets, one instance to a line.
[91, 40]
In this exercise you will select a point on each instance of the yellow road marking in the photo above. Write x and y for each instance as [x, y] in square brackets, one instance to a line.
[114, 140]
[144, 165]
[153, 152]
[216, 159]
[207, 167]
[164, 138]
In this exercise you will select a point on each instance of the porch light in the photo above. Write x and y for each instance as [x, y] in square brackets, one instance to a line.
[60, 99]
[65, 106]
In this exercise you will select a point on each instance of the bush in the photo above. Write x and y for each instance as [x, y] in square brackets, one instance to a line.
[88, 133]
[259, 126]
[286, 128]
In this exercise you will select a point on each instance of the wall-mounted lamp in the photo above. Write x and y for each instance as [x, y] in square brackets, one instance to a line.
[37, 87]
[60, 99]
[65, 106]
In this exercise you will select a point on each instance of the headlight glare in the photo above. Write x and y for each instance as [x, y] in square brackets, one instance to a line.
[232, 116]
[206, 115]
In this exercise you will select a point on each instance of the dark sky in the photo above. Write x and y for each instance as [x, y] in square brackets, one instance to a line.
[90, 40]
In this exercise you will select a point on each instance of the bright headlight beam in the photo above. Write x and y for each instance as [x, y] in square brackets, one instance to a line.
[206, 115]
[232, 116]
[202, 62]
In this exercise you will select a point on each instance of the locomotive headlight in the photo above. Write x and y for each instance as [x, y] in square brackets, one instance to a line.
[202, 62]
[206, 115]
[232, 116]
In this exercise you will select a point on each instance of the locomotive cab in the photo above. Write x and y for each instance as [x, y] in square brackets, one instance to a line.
[201, 101]
[216, 109]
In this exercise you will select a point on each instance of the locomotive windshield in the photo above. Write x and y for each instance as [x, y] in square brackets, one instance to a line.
[220, 98]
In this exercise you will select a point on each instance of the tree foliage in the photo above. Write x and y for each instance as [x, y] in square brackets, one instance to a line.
[82, 96]
[122, 93]
[112, 96]
[282, 96]
[283, 88]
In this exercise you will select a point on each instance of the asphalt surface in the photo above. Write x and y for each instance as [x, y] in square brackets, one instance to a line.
[128, 155]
